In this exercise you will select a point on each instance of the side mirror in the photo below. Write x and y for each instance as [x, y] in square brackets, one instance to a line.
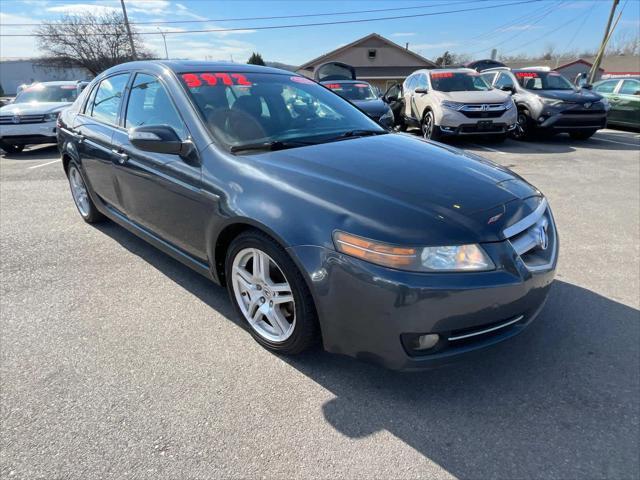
[508, 88]
[637, 92]
[421, 90]
[390, 98]
[159, 139]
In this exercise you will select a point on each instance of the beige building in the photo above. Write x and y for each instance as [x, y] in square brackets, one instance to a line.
[376, 60]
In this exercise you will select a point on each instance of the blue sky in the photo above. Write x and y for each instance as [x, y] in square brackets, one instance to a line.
[528, 28]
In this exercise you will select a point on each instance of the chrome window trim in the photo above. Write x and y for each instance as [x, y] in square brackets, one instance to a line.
[526, 222]
[487, 330]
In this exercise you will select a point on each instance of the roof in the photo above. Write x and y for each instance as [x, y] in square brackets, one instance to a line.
[184, 66]
[610, 63]
[323, 57]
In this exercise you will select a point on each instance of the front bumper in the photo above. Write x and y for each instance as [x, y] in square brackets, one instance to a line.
[28, 133]
[451, 122]
[365, 310]
[572, 119]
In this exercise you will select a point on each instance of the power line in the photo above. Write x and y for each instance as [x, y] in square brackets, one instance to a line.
[219, 20]
[500, 29]
[300, 25]
[537, 20]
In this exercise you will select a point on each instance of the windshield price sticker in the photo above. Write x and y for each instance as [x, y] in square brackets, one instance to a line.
[333, 86]
[304, 80]
[526, 74]
[195, 80]
[442, 75]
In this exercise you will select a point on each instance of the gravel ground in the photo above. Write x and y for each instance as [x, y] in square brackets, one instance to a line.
[118, 362]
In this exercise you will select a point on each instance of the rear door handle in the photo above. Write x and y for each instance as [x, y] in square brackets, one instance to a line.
[120, 155]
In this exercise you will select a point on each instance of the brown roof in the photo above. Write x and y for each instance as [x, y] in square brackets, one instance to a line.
[360, 40]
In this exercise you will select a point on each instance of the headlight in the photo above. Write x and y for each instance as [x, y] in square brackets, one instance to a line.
[508, 104]
[452, 105]
[551, 102]
[605, 103]
[51, 117]
[453, 258]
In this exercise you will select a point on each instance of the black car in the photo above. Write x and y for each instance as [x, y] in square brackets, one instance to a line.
[321, 224]
[363, 96]
[548, 103]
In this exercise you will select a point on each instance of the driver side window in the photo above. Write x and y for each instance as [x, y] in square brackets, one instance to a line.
[150, 104]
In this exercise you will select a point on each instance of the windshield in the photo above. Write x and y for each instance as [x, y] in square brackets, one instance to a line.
[458, 82]
[353, 91]
[48, 93]
[252, 108]
[543, 81]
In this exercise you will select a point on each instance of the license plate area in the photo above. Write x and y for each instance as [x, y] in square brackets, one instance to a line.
[485, 125]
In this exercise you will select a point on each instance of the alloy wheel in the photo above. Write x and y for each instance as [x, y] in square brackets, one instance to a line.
[263, 294]
[521, 125]
[427, 126]
[79, 191]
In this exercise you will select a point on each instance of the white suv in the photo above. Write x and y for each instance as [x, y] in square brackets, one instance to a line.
[457, 101]
[31, 117]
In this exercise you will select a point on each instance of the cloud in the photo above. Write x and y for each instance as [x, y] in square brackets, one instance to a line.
[81, 8]
[514, 28]
[403, 34]
[431, 46]
[16, 47]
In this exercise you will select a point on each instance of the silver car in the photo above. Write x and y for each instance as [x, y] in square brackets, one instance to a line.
[31, 117]
[451, 102]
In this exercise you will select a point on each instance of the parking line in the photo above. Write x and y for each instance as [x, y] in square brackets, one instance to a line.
[44, 164]
[489, 149]
[614, 141]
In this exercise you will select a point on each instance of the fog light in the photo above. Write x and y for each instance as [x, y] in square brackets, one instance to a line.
[541, 119]
[425, 342]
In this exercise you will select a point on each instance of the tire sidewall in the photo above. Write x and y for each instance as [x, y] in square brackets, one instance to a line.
[94, 215]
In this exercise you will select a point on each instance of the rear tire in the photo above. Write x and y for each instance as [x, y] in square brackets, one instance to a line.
[80, 194]
[582, 134]
[11, 149]
[273, 299]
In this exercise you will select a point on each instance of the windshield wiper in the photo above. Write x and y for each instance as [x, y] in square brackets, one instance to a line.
[268, 146]
[361, 133]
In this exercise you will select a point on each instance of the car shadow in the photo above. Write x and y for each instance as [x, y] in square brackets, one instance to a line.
[38, 152]
[558, 401]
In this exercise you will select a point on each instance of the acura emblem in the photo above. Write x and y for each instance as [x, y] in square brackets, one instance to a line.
[542, 238]
[15, 119]
[587, 105]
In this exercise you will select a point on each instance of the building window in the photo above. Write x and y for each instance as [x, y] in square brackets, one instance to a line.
[372, 54]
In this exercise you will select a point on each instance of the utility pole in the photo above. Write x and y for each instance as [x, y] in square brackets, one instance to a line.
[164, 37]
[126, 22]
[603, 45]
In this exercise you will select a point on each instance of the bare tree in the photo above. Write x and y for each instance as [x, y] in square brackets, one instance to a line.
[95, 42]
[624, 43]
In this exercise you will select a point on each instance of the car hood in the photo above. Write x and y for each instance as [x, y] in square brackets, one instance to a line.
[33, 108]
[397, 185]
[580, 96]
[488, 96]
[374, 107]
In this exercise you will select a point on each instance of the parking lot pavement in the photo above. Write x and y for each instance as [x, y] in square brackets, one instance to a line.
[118, 362]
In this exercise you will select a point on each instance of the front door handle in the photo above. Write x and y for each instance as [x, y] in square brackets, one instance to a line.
[121, 156]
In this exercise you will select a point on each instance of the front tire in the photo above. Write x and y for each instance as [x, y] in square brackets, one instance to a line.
[524, 126]
[582, 134]
[269, 292]
[11, 149]
[428, 126]
[81, 197]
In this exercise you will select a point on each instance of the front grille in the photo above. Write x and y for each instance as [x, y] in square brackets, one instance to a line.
[534, 238]
[9, 119]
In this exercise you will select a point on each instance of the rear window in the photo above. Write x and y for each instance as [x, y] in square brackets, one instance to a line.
[243, 108]
[48, 93]
[458, 82]
[353, 91]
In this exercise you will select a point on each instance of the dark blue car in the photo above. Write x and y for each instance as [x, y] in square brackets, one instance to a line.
[323, 226]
